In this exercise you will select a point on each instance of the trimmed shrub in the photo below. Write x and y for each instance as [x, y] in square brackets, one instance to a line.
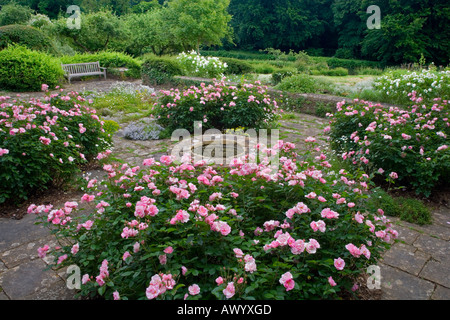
[241, 55]
[264, 68]
[110, 60]
[369, 71]
[27, 36]
[22, 69]
[14, 14]
[303, 83]
[44, 142]
[279, 75]
[160, 70]
[350, 64]
[337, 72]
[236, 66]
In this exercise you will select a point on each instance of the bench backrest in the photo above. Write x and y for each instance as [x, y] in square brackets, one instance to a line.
[81, 68]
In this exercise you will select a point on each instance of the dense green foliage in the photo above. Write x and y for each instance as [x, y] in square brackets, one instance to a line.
[236, 66]
[408, 28]
[303, 83]
[333, 28]
[14, 14]
[160, 70]
[22, 69]
[27, 36]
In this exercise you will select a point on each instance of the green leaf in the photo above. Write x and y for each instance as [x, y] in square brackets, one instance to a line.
[101, 290]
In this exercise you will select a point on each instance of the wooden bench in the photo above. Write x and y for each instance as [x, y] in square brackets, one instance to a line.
[83, 69]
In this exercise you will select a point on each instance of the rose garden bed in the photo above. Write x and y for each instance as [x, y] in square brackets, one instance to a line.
[300, 229]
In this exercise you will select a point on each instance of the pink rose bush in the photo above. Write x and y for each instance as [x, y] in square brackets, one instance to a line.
[41, 142]
[218, 106]
[227, 240]
[406, 146]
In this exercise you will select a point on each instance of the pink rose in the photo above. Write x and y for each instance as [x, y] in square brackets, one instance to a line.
[287, 281]
[219, 281]
[194, 290]
[339, 263]
[75, 249]
[331, 282]
[183, 270]
[229, 291]
[168, 250]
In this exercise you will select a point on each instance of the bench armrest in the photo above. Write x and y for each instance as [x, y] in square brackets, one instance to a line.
[103, 68]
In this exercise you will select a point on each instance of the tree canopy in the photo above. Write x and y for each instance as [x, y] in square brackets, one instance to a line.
[409, 29]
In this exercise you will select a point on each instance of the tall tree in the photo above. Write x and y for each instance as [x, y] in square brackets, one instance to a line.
[280, 24]
[409, 29]
[14, 14]
[197, 22]
[348, 17]
[147, 32]
[96, 32]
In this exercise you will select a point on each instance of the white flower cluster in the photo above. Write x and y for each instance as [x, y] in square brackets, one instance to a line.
[427, 83]
[39, 20]
[194, 64]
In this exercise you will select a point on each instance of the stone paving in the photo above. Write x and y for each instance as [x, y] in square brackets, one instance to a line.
[417, 265]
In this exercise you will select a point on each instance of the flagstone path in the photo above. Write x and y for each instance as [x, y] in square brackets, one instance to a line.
[415, 268]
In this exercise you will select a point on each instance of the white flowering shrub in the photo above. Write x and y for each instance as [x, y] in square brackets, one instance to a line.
[428, 84]
[194, 64]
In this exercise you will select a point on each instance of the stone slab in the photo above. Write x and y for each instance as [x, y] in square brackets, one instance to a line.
[437, 271]
[400, 285]
[2, 267]
[437, 248]
[25, 252]
[406, 258]
[441, 293]
[17, 232]
[406, 235]
[442, 217]
[57, 291]
[26, 279]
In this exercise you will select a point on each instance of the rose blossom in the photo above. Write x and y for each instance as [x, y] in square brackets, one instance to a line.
[194, 290]
[339, 263]
[229, 291]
